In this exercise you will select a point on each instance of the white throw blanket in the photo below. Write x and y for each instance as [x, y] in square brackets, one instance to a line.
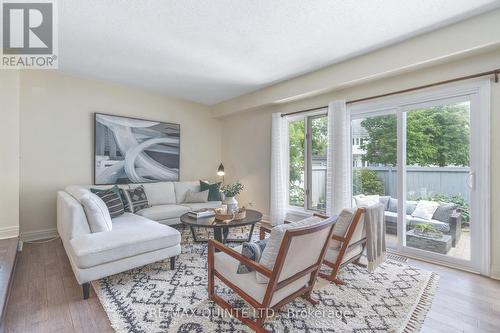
[375, 236]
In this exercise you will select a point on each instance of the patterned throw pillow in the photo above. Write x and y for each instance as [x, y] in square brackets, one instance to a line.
[111, 198]
[425, 209]
[137, 198]
[444, 211]
[253, 251]
[213, 190]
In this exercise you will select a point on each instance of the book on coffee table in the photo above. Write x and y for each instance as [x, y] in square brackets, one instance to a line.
[202, 213]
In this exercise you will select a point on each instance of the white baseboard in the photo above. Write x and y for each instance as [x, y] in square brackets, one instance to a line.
[495, 272]
[29, 236]
[9, 232]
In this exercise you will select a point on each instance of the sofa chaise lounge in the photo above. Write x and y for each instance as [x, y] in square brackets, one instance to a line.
[134, 240]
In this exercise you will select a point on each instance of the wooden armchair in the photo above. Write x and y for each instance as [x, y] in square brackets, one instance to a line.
[293, 274]
[348, 247]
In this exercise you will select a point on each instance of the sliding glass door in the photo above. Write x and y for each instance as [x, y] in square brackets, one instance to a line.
[425, 157]
[374, 166]
[437, 173]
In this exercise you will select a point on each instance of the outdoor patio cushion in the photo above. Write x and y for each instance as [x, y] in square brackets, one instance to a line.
[393, 205]
[410, 206]
[390, 217]
[384, 200]
[425, 209]
[227, 266]
[441, 226]
[163, 212]
[366, 200]
[444, 211]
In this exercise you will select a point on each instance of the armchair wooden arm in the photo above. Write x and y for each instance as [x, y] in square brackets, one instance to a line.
[267, 229]
[213, 244]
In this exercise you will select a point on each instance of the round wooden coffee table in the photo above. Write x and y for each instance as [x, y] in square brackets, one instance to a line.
[221, 229]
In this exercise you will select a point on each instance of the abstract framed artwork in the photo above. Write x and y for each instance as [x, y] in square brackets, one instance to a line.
[131, 150]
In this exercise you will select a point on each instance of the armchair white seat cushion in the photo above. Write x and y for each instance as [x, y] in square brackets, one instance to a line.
[332, 253]
[227, 266]
[163, 212]
[124, 241]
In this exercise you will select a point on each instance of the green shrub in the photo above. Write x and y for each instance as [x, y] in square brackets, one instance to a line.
[365, 181]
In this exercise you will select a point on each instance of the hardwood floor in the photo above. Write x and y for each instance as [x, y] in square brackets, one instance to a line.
[46, 298]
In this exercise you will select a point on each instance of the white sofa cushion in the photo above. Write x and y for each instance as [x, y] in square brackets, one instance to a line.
[273, 245]
[227, 266]
[160, 193]
[181, 189]
[163, 212]
[201, 205]
[97, 213]
[132, 235]
[77, 192]
[196, 197]
[332, 254]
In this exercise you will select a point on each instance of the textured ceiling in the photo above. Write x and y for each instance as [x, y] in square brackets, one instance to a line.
[213, 50]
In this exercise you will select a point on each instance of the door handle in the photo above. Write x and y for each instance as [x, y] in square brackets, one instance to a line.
[471, 180]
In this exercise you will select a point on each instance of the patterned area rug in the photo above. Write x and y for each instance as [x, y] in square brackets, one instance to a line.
[154, 298]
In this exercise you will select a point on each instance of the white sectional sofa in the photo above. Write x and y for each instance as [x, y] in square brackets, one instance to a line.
[134, 240]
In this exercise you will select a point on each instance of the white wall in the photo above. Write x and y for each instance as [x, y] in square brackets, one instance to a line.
[9, 154]
[56, 131]
[246, 147]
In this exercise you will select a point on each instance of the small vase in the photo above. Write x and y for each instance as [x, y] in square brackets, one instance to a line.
[232, 204]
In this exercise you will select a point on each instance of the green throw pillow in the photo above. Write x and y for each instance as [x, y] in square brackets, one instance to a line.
[213, 190]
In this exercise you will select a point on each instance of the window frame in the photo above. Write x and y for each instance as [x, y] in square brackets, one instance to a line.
[307, 118]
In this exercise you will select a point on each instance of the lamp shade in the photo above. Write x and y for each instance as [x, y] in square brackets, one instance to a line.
[220, 170]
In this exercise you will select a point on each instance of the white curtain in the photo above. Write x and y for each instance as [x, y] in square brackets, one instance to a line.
[338, 162]
[278, 169]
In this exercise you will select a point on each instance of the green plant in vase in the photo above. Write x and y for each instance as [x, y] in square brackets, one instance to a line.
[230, 192]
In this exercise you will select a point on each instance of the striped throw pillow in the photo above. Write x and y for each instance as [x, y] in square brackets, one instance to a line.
[111, 198]
[126, 205]
[137, 198]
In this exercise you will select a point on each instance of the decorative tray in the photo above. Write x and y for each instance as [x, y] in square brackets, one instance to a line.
[222, 215]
